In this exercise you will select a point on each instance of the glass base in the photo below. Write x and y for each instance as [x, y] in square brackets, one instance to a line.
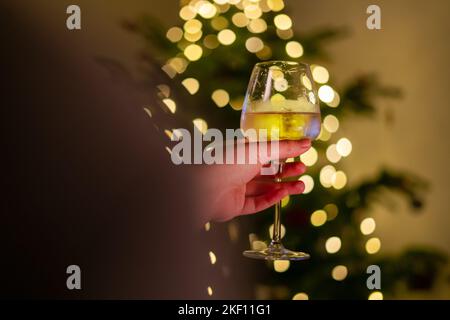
[276, 251]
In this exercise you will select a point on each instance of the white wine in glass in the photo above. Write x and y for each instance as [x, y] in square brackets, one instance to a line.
[281, 98]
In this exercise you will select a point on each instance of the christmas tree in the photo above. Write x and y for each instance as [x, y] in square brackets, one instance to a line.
[211, 53]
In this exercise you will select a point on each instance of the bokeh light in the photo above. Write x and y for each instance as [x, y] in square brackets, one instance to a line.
[282, 234]
[367, 226]
[326, 175]
[191, 84]
[254, 44]
[294, 49]
[373, 245]
[376, 295]
[309, 158]
[226, 37]
[257, 26]
[252, 11]
[220, 97]
[332, 155]
[201, 125]
[212, 257]
[281, 265]
[174, 34]
[187, 13]
[332, 211]
[333, 244]
[282, 22]
[219, 23]
[326, 93]
[275, 5]
[320, 74]
[170, 104]
[344, 147]
[193, 52]
[309, 183]
[339, 180]
[192, 26]
[318, 218]
[339, 273]
[240, 20]
[331, 123]
[300, 296]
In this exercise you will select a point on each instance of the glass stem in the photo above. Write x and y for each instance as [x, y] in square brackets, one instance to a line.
[277, 217]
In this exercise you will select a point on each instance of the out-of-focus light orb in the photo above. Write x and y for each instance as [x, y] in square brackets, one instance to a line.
[187, 13]
[285, 201]
[234, 1]
[207, 10]
[210, 41]
[220, 97]
[339, 180]
[239, 20]
[193, 37]
[326, 93]
[178, 64]
[326, 175]
[367, 226]
[193, 52]
[237, 103]
[309, 183]
[191, 84]
[174, 34]
[258, 245]
[212, 257]
[282, 22]
[318, 218]
[309, 158]
[201, 125]
[265, 53]
[253, 11]
[376, 295]
[257, 26]
[207, 226]
[275, 5]
[373, 245]
[277, 100]
[331, 123]
[192, 26]
[332, 211]
[164, 89]
[339, 273]
[320, 74]
[335, 102]
[210, 291]
[280, 84]
[276, 73]
[254, 44]
[221, 2]
[332, 155]
[283, 231]
[285, 34]
[219, 23]
[344, 147]
[300, 296]
[281, 265]
[333, 244]
[148, 112]
[324, 134]
[168, 133]
[226, 37]
[306, 82]
[170, 104]
[294, 49]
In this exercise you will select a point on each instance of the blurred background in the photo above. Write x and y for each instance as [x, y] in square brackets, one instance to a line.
[378, 181]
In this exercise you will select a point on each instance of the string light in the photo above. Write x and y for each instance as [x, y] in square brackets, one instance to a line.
[282, 233]
[300, 296]
[193, 52]
[192, 26]
[331, 123]
[344, 147]
[367, 226]
[186, 13]
[210, 291]
[191, 84]
[294, 49]
[320, 74]
[332, 211]
[220, 97]
[326, 93]
[376, 295]
[254, 44]
[193, 37]
[201, 125]
[309, 183]
[339, 273]
[219, 23]
[226, 37]
[333, 244]
[240, 20]
[309, 158]
[318, 218]
[281, 265]
[257, 26]
[339, 180]
[373, 245]
[212, 257]
[282, 22]
[252, 11]
[207, 10]
[174, 34]
[170, 104]
[275, 5]
[332, 154]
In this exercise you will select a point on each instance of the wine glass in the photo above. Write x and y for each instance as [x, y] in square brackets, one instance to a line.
[281, 97]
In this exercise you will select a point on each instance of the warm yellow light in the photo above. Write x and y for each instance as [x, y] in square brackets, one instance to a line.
[178, 64]
[333, 244]
[326, 93]
[282, 22]
[168, 133]
[373, 245]
[339, 273]
[332, 155]
[324, 134]
[335, 102]
[164, 90]
[210, 291]
[367, 226]
[339, 180]
[320, 74]
[212, 257]
[254, 44]
[220, 97]
[306, 82]
[285, 201]
[170, 104]
[210, 41]
[332, 211]
[187, 13]
[207, 10]
[276, 73]
[265, 53]
[192, 26]
[174, 34]
[237, 103]
[191, 84]
[285, 34]
[258, 245]
[326, 175]
[201, 125]
[221, 2]
[309, 158]
[344, 147]
[148, 112]
[331, 123]
[376, 295]
[226, 37]
[207, 226]
[193, 52]
[277, 100]
[239, 20]
[219, 23]
[318, 218]
[275, 5]
[294, 49]
[252, 11]
[257, 26]
[282, 234]
[309, 183]
[193, 37]
[281, 265]
[280, 84]
[300, 296]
